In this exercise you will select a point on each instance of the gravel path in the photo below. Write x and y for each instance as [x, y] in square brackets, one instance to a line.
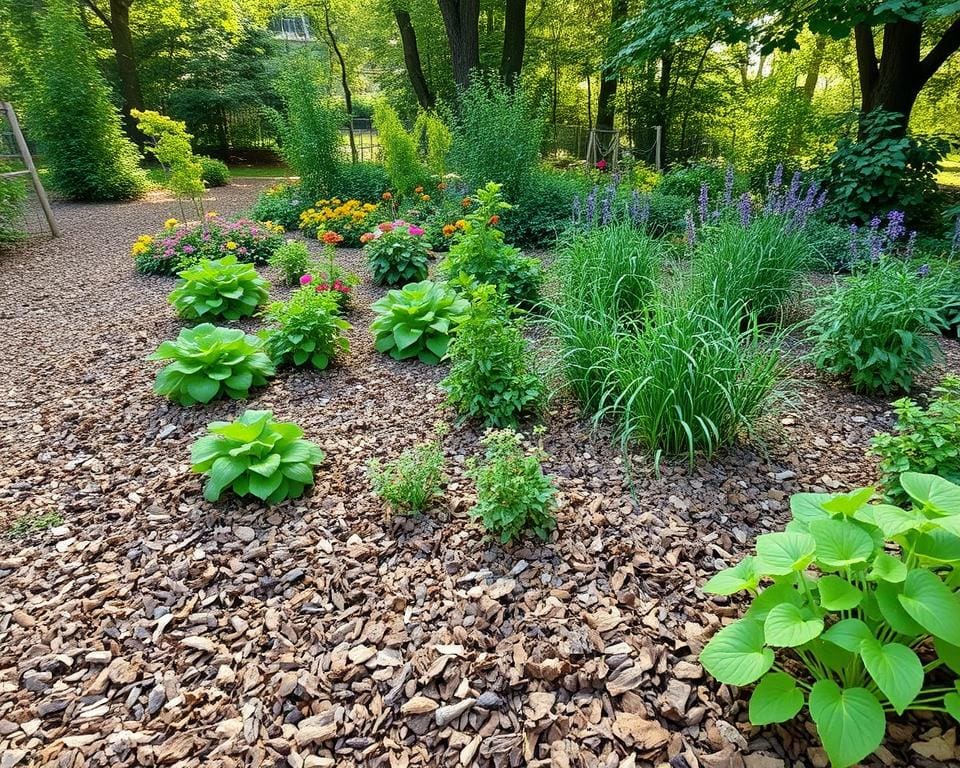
[153, 628]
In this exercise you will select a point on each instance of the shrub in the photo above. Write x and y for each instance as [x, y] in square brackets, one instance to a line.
[218, 288]
[418, 321]
[875, 327]
[215, 172]
[846, 638]
[255, 455]
[884, 170]
[687, 181]
[210, 362]
[398, 150]
[350, 219]
[282, 205]
[397, 253]
[479, 251]
[305, 329]
[292, 260]
[666, 214]
[171, 147]
[829, 245]
[436, 138]
[755, 267]
[13, 195]
[310, 132]
[362, 181]
[496, 137]
[73, 119]
[923, 440]
[493, 376]
[411, 481]
[542, 212]
[513, 494]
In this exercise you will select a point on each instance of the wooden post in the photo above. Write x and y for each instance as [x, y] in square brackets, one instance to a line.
[659, 130]
[31, 168]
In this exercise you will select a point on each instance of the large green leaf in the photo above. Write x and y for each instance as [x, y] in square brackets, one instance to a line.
[895, 669]
[930, 490]
[892, 520]
[736, 654]
[224, 471]
[949, 654]
[841, 543]
[850, 722]
[807, 507]
[837, 594]
[847, 504]
[888, 568]
[776, 699]
[848, 634]
[932, 605]
[787, 626]
[779, 554]
[730, 580]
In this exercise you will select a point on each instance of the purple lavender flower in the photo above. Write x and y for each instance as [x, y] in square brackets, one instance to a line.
[591, 206]
[895, 228]
[777, 177]
[606, 212]
[745, 207]
[911, 243]
[575, 215]
[691, 229]
[704, 203]
[728, 187]
[821, 200]
[793, 193]
[924, 270]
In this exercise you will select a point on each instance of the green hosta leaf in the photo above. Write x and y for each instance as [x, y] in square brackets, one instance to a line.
[405, 336]
[888, 568]
[847, 504]
[932, 605]
[850, 722]
[930, 490]
[779, 554]
[224, 471]
[949, 654]
[787, 626]
[202, 389]
[937, 546]
[841, 543]
[848, 634]
[951, 703]
[807, 507]
[730, 580]
[768, 599]
[887, 596]
[895, 669]
[262, 487]
[736, 654]
[892, 520]
[837, 594]
[776, 699]
[268, 466]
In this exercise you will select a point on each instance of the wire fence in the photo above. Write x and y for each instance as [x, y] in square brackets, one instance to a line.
[24, 210]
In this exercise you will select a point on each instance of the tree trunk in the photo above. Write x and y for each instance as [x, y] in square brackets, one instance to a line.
[344, 82]
[607, 98]
[663, 107]
[411, 58]
[131, 94]
[514, 41]
[461, 20]
[813, 69]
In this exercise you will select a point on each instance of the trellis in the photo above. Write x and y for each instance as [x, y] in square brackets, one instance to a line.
[13, 146]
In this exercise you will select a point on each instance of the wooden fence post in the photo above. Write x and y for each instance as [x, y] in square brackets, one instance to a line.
[31, 168]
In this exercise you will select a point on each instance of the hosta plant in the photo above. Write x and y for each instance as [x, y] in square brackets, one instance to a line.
[397, 253]
[222, 288]
[255, 455]
[854, 615]
[306, 329]
[418, 321]
[210, 362]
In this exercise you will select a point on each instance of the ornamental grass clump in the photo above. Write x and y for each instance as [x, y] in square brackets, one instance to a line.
[292, 260]
[223, 288]
[306, 329]
[210, 362]
[418, 321]
[397, 253]
[854, 615]
[256, 456]
[414, 479]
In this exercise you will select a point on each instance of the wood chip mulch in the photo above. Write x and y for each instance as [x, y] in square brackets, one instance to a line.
[150, 628]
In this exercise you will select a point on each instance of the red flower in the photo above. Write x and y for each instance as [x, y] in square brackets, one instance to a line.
[332, 238]
[494, 220]
[602, 165]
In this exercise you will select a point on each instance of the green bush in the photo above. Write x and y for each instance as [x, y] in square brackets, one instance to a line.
[846, 636]
[257, 456]
[667, 214]
[398, 149]
[479, 252]
[923, 440]
[493, 376]
[73, 119]
[221, 288]
[411, 481]
[281, 204]
[397, 253]
[757, 268]
[362, 181]
[210, 362]
[418, 321]
[829, 245]
[496, 137]
[306, 329]
[171, 147]
[542, 212]
[215, 172]
[513, 494]
[686, 181]
[436, 139]
[13, 195]
[292, 260]
[875, 327]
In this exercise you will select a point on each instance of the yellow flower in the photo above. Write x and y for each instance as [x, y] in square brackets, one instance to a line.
[425, 198]
[231, 246]
[212, 214]
[170, 223]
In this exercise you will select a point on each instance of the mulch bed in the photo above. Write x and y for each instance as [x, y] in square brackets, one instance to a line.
[152, 628]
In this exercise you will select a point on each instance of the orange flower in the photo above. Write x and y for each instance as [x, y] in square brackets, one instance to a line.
[418, 190]
[385, 227]
[425, 198]
[332, 238]
[494, 220]
[448, 230]
[442, 185]
[366, 237]
[460, 224]
[466, 202]
[387, 196]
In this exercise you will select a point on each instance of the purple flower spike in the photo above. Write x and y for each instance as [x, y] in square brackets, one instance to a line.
[895, 227]
[728, 187]
[691, 230]
[745, 207]
[704, 203]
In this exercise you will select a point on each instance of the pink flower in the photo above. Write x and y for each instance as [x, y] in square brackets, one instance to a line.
[306, 279]
[602, 164]
[415, 231]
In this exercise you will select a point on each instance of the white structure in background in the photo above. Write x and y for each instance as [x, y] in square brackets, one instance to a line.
[292, 28]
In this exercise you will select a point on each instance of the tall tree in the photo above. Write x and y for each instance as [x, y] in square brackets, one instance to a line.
[411, 59]
[344, 80]
[607, 98]
[461, 20]
[514, 40]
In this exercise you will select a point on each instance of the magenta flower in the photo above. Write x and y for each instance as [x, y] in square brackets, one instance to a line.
[306, 279]
[415, 231]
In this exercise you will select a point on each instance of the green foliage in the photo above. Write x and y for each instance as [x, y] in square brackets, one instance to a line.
[686, 181]
[844, 638]
[398, 149]
[255, 455]
[543, 210]
[875, 327]
[171, 147]
[292, 260]
[434, 135]
[362, 181]
[73, 119]
[479, 252]
[218, 288]
[923, 440]
[757, 268]
[667, 213]
[13, 195]
[418, 321]
[281, 204]
[214, 172]
[306, 329]
[829, 245]
[28, 524]
[210, 362]
[496, 137]
[398, 255]
[884, 171]
[513, 494]
[493, 376]
[411, 481]
[310, 132]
